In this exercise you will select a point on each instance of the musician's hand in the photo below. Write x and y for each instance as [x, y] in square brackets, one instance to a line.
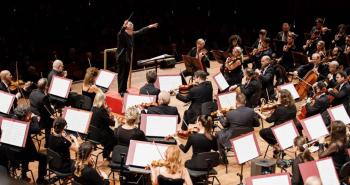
[324, 29]
[321, 140]
[125, 23]
[27, 85]
[330, 90]
[18, 95]
[232, 88]
[104, 175]
[330, 76]
[250, 66]
[295, 73]
[65, 74]
[155, 25]
[258, 71]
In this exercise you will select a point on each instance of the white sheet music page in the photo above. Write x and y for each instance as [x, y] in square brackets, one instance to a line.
[6, 102]
[315, 127]
[13, 133]
[285, 134]
[137, 100]
[77, 120]
[167, 83]
[327, 172]
[221, 81]
[272, 180]
[60, 86]
[339, 113]
[290, 87]
[105, 78]
[227, 100]
[161, 125]
[245, 148]
[145, 153]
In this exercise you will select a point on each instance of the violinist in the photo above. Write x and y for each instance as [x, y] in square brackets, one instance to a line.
[163, 107]
[311, 44]
[283, 35]
[239, 121]
[321, 49]
[201, 93]
[266, 75]
[314, 64]
[234, 41]
[257, 54]
[341, 93]
[149, 88]
[89, 88]
[285, 111]
[339, 37]
[250, 87]
[7, 85]
[346, 48]
[200, 53]
[202, 141]
[322, 31]
[57, 70]
[262, 36]
[333, 68]
[286, 60]
[320, 102]
[40, 106]
[170, 169]
[231, 69]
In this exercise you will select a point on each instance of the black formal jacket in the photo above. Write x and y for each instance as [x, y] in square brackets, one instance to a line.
[164, 110]
[321, 104]
[280, 35]
[266, 77]
[101, 120]
[197, 96]
[322, 70]
[242, 117]
[342, 97]
[149, 89]
[53, 73]
[40, 105]
[205, 60]
[252, 91]
[282, 114]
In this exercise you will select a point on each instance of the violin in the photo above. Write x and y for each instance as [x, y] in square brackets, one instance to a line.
[232, 63]
[223, 111]
[147, 105]
[16, 84]
[157, 163]
[121, 119]
[183, 89]
[269, 107]
[184, 134]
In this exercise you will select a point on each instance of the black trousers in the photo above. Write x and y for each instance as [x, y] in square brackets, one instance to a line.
[123, 75]
[267, 135]
[41, 158]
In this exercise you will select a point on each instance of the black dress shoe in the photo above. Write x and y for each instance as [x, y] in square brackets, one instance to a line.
[121, 94]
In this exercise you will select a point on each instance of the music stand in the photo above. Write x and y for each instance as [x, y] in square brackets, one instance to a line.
[220, 55]
[299, 58]
[269, 179]
[7, 100]
[192, 64]
[339, 113]
[314, 127]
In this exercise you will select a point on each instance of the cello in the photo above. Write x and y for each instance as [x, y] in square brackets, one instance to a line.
[304, 84]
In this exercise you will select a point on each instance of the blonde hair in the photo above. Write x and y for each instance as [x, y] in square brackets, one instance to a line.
[132, 116]
[173, 159]
[99, 100]
[90, 76]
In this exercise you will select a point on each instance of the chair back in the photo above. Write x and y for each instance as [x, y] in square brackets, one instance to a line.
[117, 153]
[54, 160]
[344, 172]
[211, 158]
[169, 181]
[94, 134]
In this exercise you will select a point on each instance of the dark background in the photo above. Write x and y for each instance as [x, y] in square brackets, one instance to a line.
[35, 32]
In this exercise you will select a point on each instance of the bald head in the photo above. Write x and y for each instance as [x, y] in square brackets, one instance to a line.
[265, 61]
[316, 58]
[6, 76]
[164, 98]
[200, 43]
[57, 65]
[313, 181]
[42, 84]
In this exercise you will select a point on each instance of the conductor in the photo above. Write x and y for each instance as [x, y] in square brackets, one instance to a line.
[124, 52]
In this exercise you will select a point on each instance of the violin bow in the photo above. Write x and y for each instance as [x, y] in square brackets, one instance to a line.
[18, 88]
[155, 144]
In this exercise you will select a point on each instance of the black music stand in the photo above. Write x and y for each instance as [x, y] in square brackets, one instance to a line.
[220, 55]
[192, 64]
[240, 175]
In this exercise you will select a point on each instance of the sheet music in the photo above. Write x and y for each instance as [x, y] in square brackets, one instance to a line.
[167, 83]
[13, 133]
[77, 120]
[221, 82]
[145, 153]
[227, 100]
[245, 148]
[339, 113]
[105, 78]
[161, 125]
[290, 87]
[272, 180]
[60, 87]
[327, 172]
[132, 100]
[285, 135]
[6, 102]
[315, 127]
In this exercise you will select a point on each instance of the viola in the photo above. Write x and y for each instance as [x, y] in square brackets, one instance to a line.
[223, 111]
[16, 84]
[147, 105]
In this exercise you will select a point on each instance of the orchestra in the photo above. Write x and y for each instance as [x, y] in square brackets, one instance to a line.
[253, 77]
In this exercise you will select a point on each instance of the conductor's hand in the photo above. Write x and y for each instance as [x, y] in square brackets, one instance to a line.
[125, 23]
[155, 25]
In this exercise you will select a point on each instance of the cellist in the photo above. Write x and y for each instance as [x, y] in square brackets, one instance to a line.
[314, 64]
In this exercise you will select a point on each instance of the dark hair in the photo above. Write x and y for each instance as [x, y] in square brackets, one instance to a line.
[201, 74]
[321, 85]
[84, 152]
[267, 40]
[263, 31]
[241, 99]
[338, 132]
[59, 124]
[207, 122]
[286, 98]
[90, 76]
[250, 72]
[342, 74]
[232, 38]
[151, 76]
[319, 20]
[21, 112]
[300, 143]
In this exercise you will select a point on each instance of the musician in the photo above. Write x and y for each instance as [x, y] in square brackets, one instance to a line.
[201, 93]
[85, 173]
[346, 49]
[283, 35]
[234, 41]
[250, 87]
[172, 169]
[29, 152]
[339, 37]
[285, 111]
[40, 106]
[163, 106]
[89, 88]
[149, 88]
[322, 30]
[302, 155]
[233, 75]
[337, 146]
[6, 81]
[321, 49]
[286, 60]
[333, 68]
[200, 53]
[343, 88]
[262, 36]
[61, 143]
[57, 70]
[314, 64]
[320, 102]
[311, 44]
[124, 52]
[239, 121]
[264, 50]
[102, 121]
[202, 141]
[129, 131]
[266, 75]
